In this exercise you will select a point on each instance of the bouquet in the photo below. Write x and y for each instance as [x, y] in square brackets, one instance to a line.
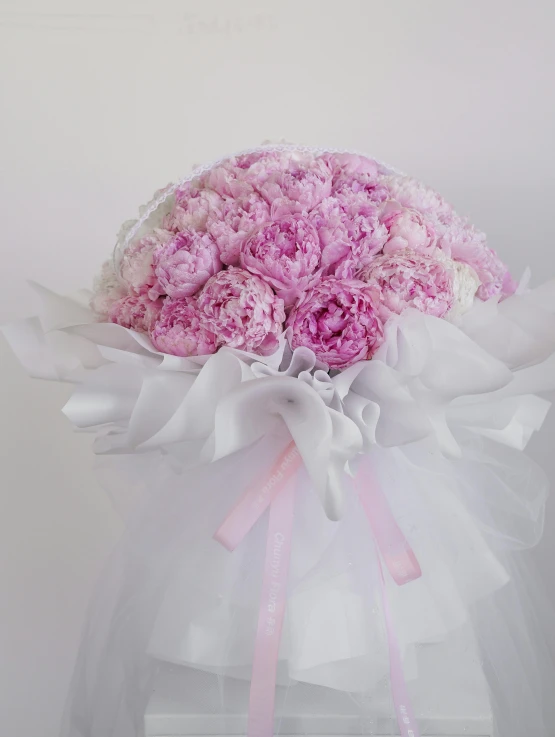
[310, 382]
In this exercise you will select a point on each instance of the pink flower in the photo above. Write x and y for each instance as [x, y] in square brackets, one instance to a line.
[413, 194]
[228, 180]
[179, 330]
[350, 232]
[351, 164]
[339, 321]
[265, 159]
[411, 279]
[460, 237]
[356, 175]
[184, 264]
[353, 174]
[234, 221]
[407, 228]
[297, 188]
[136, 312]
[192, 208]
[374, 190]
[286, 253]
[495, 278]
[259, 166]
[466, 244]
[137, 268]
[242, 311]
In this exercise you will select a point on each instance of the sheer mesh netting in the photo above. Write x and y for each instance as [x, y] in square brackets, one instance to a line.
[169, 645]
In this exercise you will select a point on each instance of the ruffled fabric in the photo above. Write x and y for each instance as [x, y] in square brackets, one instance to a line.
[428, 378]
[441, 413]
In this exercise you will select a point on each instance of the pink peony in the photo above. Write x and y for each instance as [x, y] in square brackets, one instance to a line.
[338, 320]
[353, 174]
[257, 168]
[413, 194]
[467, 245]
[136, 312]
[260, 165]
[411, 279]
[286, 253]
[179, 330]
[350, 232]
[228, 180]
[242, 311]
[461, 237]
[407, 228]
[351, 164]
[297, 188]
[374, 190]
[137, 268]
[261, 161]
[234, 221]
[184, 264]
[192, 208]
[356, 175]
[495, 278]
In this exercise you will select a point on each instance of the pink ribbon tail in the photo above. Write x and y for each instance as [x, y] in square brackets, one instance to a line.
[403, 566]
[397, 554]
[257, 498]
[272, 612]
[406, 719]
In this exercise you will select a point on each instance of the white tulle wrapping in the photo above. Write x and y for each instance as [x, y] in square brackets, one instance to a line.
[443, 411]
[327, 623]
[172, 593]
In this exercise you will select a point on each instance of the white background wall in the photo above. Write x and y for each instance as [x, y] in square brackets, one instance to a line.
[102, 102]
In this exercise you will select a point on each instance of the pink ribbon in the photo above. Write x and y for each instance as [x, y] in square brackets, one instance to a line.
[399, 691]
[397, 554]
[257, 498]
[278, 493]
[272, 612]
[403, 566]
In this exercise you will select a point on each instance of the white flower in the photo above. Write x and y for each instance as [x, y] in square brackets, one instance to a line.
[465, 285]
[107, 288]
